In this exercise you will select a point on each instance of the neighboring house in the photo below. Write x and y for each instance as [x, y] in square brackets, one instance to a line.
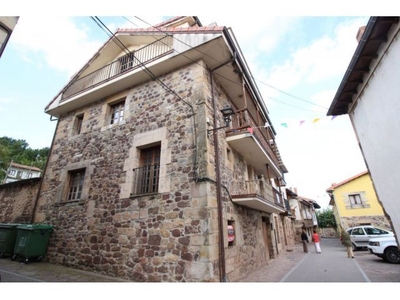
[17, 172]
[369, 94]
[163, 142]
[354, 203]
[7, 25]
[17, 200]
[303, 210]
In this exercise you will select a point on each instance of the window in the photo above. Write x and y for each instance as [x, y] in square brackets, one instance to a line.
[127, 61]
[11, 172]
[75, 184]
[78, 124]
[147, 175]
[117, 112]
[355, 199]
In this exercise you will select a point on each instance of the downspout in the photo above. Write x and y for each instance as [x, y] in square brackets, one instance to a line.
[44, 172]
[222, 269]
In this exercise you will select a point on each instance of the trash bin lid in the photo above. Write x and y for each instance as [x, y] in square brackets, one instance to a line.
[35, 227]
[9, 225]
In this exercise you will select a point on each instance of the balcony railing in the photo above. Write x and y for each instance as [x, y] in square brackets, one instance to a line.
[146, 179]
[262, 188]
[124, 64]
[243, 120]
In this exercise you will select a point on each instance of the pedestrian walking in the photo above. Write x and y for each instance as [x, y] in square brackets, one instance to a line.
[304, 240]
[346, 241]
[316, 240]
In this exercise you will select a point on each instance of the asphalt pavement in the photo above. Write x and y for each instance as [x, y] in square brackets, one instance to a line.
[332, 265]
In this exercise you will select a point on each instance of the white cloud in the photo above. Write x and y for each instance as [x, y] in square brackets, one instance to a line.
[63, 45]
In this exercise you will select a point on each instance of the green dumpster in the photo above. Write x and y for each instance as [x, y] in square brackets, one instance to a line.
[31, 241]
[8, 235]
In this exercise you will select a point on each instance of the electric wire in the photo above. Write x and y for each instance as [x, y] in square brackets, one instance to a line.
[152, 75]
[205, 54]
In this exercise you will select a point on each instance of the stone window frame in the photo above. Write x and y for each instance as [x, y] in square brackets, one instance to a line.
[140, 141]
[363, 204]
[62, 193]
[107, 110]
[78, 123]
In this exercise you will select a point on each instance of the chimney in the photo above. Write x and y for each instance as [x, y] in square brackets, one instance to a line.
[360, 33]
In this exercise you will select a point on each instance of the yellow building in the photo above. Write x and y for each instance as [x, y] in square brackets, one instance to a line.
[355, 203]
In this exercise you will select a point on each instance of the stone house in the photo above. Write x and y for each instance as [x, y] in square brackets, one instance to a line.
[17, 200]
[17, 172]
[162, 143]
[369, 95]
[354, 203]
[304, 215]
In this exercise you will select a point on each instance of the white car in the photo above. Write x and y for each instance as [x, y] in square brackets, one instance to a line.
[386, 248]
[360, 235]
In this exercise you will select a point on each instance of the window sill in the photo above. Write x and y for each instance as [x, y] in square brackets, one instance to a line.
[133, 196]
[358, 206]
[71, 203]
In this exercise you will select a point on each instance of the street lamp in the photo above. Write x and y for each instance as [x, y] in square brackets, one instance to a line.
[227, 112]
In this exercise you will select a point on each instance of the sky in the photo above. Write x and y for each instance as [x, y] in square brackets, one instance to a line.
[297, 57]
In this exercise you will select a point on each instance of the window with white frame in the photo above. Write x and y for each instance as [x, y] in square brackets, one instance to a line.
[117, 112]
[76, 179]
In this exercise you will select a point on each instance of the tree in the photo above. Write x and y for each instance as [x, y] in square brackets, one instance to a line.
[19, 152]
[326, 218]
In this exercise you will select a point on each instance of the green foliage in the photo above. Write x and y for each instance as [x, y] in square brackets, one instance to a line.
[326, 218]
[19, 152]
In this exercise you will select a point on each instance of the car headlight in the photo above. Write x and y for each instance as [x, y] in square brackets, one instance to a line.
[374, 244]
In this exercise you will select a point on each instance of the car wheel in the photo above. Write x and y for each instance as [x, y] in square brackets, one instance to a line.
[392, 255]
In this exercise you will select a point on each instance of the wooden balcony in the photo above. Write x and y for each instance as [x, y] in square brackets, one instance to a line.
[260, 196]
[255, 143]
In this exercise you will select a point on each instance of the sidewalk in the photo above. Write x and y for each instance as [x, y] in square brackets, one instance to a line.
[14, 271]
[279, 267]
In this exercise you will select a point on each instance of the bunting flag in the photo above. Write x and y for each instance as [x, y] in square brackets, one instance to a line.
[286, 124]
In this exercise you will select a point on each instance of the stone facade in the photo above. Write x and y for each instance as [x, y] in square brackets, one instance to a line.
[378, 221]
[17, 200]
[169, 236]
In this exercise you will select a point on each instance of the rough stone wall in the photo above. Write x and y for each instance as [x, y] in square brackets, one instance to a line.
[166, 237]
[17, 200]
[378, 221]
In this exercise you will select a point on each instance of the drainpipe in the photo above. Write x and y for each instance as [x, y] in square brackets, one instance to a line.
[222, 269]
[44, 171]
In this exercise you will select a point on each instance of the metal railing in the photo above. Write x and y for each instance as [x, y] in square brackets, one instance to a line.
[262, 188]
[146, 179]
[124, 64]
[243, 120]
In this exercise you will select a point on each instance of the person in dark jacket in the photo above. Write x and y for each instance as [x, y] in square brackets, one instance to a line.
[346, 241]
[304, 240]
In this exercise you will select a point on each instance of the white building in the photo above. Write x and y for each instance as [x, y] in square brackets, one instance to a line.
[17, 172]
[369, 94]
[7, 25]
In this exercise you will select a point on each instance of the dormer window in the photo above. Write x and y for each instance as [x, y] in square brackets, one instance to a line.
[127, 61]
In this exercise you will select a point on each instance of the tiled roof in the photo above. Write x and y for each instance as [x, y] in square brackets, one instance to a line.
[15, 165]
[193, 29]
[335, 185]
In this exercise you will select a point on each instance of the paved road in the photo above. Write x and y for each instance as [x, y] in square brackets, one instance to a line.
[330, 266]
